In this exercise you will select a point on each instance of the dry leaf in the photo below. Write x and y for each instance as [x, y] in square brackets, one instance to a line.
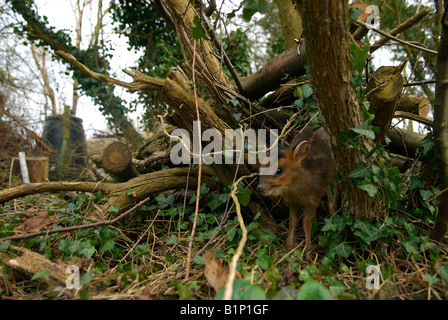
[37, 220]
[148, 295]
[214, 272]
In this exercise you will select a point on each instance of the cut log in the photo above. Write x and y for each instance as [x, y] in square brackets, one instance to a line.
[383, 92]
[413, 104]
[117, 161]
[404, 142]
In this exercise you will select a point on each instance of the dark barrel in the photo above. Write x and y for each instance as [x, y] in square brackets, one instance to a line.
[52, 134]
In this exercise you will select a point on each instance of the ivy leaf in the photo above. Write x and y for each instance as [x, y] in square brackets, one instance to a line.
[112, 208]
[342, 249]
[198, 31]
[244, 196]
[41, 275]
[172, 240]
[359, 55]
[313, 290]
[348, 139]
[109, 245]
[367, 231]
[164, 201]
[286, 293]
[307, 91]
[243, 290]
[365, 129]
[368, 187]
[361, 171]
[431, 279]
[265, 261]
[4, 245]
[335, 223]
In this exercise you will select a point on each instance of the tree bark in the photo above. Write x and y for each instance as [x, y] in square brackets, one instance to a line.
[326, 34]
[441, 127]
[142, 186]
[291, 22]
[272, 75]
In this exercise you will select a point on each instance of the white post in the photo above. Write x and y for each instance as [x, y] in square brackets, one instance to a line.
[23, 168]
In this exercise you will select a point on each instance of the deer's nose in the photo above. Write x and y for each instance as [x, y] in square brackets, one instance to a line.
[260, 188]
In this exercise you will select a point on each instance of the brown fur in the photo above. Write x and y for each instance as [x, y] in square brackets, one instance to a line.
[307, 169]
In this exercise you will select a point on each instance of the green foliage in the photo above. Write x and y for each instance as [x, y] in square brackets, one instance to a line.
[243, 290]
[313, 290]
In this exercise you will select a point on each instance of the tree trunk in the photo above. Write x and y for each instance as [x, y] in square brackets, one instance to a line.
[290, 21]
[326, 35]
[441, 128]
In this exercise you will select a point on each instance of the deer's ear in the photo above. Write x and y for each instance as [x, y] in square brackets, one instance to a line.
[301, 151]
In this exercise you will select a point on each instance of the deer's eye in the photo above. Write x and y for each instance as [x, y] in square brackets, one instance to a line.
[279, 171]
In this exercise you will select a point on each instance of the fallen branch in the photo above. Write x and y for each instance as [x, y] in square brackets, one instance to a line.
[117, 195]
[411, 116]
[31, 263]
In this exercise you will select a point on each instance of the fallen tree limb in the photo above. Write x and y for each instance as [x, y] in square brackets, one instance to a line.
[142, 186]
[31, 263]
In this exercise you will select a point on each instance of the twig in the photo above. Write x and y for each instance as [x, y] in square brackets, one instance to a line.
[399, 29]
[141, 81]
[411, 116]
[84, 226]
[226, 58]
[228, 291]
[198, 192]
[418, 83]
[407, 43]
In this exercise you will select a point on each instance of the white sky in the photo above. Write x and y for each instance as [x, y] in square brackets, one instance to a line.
[60, 15]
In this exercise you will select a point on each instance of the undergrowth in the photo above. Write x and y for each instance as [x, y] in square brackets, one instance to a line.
[143, 256]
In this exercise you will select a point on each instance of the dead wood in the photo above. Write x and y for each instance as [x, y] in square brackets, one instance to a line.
[272, 74]
[404, 142]
[30, 263]
[117, 161]
[383, 92]
[143, 186]
[417, 105]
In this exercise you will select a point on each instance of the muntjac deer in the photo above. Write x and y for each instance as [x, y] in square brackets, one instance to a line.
[302, 179]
